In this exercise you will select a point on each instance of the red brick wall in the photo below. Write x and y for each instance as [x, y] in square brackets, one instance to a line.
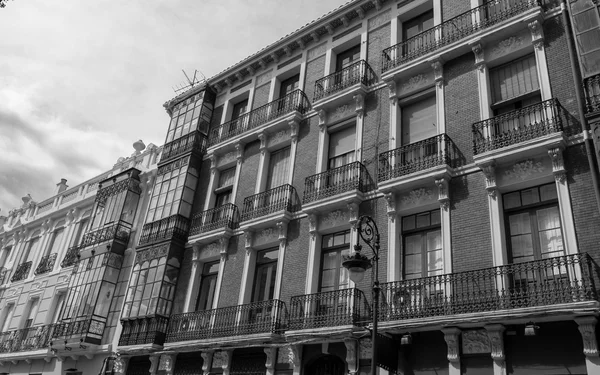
[462, 102]
[376, 129]
[314, 71]
[378, 40]
[234, 267]
[306, 152]
[261, 96]
[470, 223]
[248, 173]
[377, 209]
[296, 258]
[452, 8]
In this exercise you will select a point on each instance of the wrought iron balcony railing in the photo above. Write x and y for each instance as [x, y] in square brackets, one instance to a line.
[26, 339]
[349, 177]
[591, 87]
[225, 216]
[329, 309]
[559, 280]
[257, 317]
[71, 257]
[21, 272]
[457, 28]
[418, 156]
[117, 231]
[174, 226]
[518, 126]
[281, 198]
[46, 264]
[3, 275]
[194, 141]
[355, 73]
[147, 330]
[71, 328]
[292, 102]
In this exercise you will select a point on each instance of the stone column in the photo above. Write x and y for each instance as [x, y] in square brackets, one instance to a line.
[587, 328]
[271, 353]
[496, 336]
[207, 359]
[154, 359]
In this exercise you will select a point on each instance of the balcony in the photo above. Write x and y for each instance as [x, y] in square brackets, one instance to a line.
[193, 142]
[341, 86]
[21, 272]
[141, 331]
[273, 204]
[426, 158]
[46, 264]
[172, 227]
[294, 104]
[26, 339]
[452, 31]
[520, 130]
[497, 291]
[71, 257]
[89, 330]
[213, 223]
[116, 231]
[591, 87]
[344, 307]
[264, 317]
[336, 186]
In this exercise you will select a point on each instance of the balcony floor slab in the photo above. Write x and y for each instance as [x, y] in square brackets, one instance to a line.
[416, 179]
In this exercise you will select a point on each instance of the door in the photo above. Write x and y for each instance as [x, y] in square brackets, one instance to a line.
[413, 36]
[238, 123]
[261, 315]
[348, 73]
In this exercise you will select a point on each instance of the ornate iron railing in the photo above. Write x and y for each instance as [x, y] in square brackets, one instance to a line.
[281, 198]
[130, 183]
[257, 317]
[174, 226]
[117, 231]
[418, 156]
[355, 73]
[21, 272]
[225, 216]
[68, 329]
[329, 309]
[46, 264]
[457, 28]
[194, 141]
[292, 102]
[353, 176]
[71, 257]
[591, 86]
[518, 126]
[26, 339]
[3, 275]
[147, 330]
[559, 280]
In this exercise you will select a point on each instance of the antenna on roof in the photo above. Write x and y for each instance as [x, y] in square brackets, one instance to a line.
[191, 83]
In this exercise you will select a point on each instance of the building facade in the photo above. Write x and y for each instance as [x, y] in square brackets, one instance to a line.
[64, 270]
[468, 130]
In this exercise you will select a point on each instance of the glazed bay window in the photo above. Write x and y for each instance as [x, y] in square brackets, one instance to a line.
[189, 116]
[208, 285]
[422, 238]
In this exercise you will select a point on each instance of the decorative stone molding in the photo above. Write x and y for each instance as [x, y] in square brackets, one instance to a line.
[345, 20]
[524, 169]
[377, 4]
[391, 205]
[263, 64]
[479, 55]
[312, 225]
[329, 28]
[587, 328]
[154, 359]
[443, 192]
[335, 218]
[507, 45]
[213, 163]
[340, 112]
[239, 76]
[250, 70]
[558, 164]
[277, 138]
[248, 235]
[489, 170]
[120, 365]
[262, 137]
[229, 82]
[271, 353]
[301, 44]
[393, 94]
[288, 51]
[167, 363]
[475, 341]
[275, 57]
[296, 355]
[359, 101]
[322, 119]
[282, 227]
[496, 335]
[46, 224]
[414, 82]
[537, 33]
[351, 355]
[361, 13]
[438, 72]
[207, 361]
[314, 37]
[294, 126]
[353, 212]
[239, 147]
[70, 216]
[452, 335]
[417, 196]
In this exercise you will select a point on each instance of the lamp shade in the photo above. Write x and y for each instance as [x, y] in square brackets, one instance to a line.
[356, 264]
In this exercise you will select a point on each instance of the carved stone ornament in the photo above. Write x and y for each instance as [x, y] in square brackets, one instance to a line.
[443, 198]
[119, 365]
[558, 164]
[239, 147]
[475, 341]
[351, 355]
[489, 170]
[537, 36]
[154, 252]
[154, 363]
[218, 359]
[335, 218]
[587, 328]
[294, 130]
[282, 228]
[496, 336]
[226, 158]
[438, 72]
[361, 13]
[70, 216]
[296, 355]
[417, 196]
[207, 361]
[288, 51]
[229, 82]
[377, 4]
[301, 44]
[45, 226]
[250, 70]
[262, 137]
[322, 119]
[414, 82]
[312, 225]
[316, 38]
[263, 64]
[524, 169]
[365, 348]
[278, 137]
[330, 29]
[340, 112]
[479, 55]
[267, 235]
[391, 205]
[345, 20]
[271, 353]
[452, 337]
[248, 235]
[353, 212]
[166, 363]
[507, 45]
[393, 93]
[359, 101]
[275, 57]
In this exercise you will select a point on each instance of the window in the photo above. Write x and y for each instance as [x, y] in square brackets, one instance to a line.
[80, 230]
[8, 315]
[586, 25]
[238, 110]
[289, 85]
[188, 116]
[31, 312]
[264, 276]
[342, 147]
[347, 57]
[419, 120]
[533, 224]
[56, 240]
[208, 284]
[4, 255]
[225, 187]
[414, 27]
[58, 307]
[333, 275]
[345, 63]
[515, 86]
[32, 248]
[279, 165]
[422, 239]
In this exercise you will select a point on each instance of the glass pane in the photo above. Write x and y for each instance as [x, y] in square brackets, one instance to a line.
[522, 248]
[435, 217]
[412, 266]
[327, 279]
[329, 260]
[512, 200]
[519, 224]
[530, 196]
[548, 192]
[423, 220]
[412, 244]
[408, 223]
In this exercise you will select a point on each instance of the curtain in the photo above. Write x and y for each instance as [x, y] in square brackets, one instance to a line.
[278, 168]
[419, 121]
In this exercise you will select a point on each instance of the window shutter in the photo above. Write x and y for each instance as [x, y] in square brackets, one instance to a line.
[342, 142]
[419, 121]
[514, 79]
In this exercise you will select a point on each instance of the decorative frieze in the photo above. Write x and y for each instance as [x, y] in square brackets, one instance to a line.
[341, 112]
[525, 169]
[507, 45]
[334, 219]
[417, 197]
[155, 252]
[279, 137]
[476, 341]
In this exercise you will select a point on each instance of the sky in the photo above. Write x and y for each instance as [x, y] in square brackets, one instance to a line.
[80, 81]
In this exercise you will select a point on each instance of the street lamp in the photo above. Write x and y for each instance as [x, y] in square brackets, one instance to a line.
[357, 264]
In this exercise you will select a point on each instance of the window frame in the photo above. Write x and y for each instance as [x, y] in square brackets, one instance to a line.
[339, 250]
[423, 231]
